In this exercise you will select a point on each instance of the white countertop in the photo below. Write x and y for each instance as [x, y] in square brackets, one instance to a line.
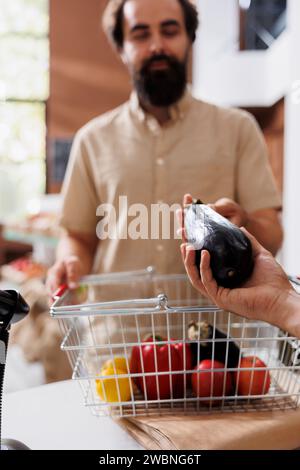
[53, 417]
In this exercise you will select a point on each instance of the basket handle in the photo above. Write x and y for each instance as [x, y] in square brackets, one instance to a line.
[294, 280]
[60, 291]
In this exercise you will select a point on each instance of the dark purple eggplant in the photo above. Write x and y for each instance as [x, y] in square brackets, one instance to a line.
[225, 351]
[231, 256]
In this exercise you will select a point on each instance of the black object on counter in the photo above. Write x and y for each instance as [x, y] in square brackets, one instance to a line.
[213, 350]
[230, 250]
[13, 308]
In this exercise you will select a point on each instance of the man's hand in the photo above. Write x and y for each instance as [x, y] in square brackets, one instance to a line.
[264, 296]
[75, 255]
[226, 207]
[231, 211]
[264, 224]
[67, 271]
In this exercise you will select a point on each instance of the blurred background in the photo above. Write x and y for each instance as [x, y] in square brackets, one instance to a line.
[57, 72]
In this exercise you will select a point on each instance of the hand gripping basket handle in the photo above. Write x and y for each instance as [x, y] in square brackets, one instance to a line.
[60, 291]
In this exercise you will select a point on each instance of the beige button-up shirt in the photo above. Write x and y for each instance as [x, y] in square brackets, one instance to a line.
[208, 151]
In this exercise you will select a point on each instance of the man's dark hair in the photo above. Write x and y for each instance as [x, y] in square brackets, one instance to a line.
[114, 15]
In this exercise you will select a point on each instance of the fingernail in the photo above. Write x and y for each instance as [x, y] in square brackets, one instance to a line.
[73, 285]
[190, 248]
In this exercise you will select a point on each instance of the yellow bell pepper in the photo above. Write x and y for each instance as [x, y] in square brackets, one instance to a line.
[107, 388]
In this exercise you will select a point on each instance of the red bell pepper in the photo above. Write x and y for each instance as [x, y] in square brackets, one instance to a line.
[160, 386]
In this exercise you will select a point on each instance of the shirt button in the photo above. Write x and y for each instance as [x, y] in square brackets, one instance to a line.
[160, 162]
[153, 126]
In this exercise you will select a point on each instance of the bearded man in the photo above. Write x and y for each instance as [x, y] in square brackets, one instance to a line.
[158, 146]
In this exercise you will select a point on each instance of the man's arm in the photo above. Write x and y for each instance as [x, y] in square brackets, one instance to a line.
[75, 255]
[266, 227]
[255, 187]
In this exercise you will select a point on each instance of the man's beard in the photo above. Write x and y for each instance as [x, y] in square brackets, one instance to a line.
[161, 88]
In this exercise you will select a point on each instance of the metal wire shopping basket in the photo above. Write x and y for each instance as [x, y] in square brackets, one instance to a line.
[104, 338]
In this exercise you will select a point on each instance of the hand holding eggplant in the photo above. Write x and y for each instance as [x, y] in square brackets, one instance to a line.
[229, 247]
[267, 295]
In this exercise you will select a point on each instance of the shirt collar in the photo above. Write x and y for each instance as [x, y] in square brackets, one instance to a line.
[177, 111]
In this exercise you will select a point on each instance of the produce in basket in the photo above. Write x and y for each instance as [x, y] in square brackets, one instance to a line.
[227, 349]
[150, 357]
[208, 381]
[107, 388]
[231, 257]
[250, 381]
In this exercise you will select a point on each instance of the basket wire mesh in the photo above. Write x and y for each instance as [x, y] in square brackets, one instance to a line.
[98, 327]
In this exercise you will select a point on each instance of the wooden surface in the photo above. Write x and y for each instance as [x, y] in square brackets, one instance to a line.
[86, 76]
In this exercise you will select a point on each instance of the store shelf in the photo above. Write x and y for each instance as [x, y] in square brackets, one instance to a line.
[28, 238]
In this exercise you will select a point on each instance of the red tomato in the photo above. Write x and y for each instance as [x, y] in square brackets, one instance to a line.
[252, 382]
[208, 382]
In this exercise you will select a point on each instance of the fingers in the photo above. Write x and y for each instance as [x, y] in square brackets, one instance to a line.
[192, 270]
[187, 199]
[227, 210]
[55, 277]
[224, 207]
[212, 206]
[72, 267]
[231, 211]
[181, 231]
[225, 202]
[183, 251]
[179, 215]
[235, 220]
[207, 278]
[65, 271]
